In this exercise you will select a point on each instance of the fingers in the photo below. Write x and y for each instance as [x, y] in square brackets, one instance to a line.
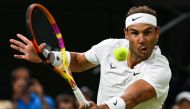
[42, 46]
[81, 106]
[91, 105]
[20, 56]
[17, 48]
[18, 43]
[23, 38]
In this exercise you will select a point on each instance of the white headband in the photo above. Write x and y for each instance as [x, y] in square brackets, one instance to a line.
[141, 18]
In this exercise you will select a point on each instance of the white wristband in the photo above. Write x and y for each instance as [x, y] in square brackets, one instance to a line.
[58, 58]
[116, 103]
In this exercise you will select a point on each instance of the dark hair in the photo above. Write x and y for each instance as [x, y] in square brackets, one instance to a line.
[87, 91]
[141, 9]
[67, 98]
[15, 71]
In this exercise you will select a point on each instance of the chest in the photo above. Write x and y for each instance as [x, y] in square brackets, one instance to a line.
[118, 74]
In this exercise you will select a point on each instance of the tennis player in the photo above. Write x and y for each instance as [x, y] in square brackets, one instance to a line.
[141, 82]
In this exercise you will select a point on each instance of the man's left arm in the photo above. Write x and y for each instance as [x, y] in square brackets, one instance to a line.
[154, 83]
[136, 93]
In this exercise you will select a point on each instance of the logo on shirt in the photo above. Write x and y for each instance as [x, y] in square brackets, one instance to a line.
[115, 103]
[134, 74]
[133, 19]
[112, 66]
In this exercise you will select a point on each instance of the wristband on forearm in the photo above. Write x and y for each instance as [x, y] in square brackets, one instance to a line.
[57, 61]
[116, 103]
[55, 57]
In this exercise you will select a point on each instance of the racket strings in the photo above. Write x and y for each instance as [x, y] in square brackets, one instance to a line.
[42, 29]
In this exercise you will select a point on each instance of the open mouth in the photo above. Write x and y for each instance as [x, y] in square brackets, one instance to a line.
[143, 50]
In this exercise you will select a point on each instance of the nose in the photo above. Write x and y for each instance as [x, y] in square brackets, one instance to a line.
[141, 39]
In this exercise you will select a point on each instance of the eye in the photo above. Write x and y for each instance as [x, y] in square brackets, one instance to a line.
[146, 33]
[134, 33]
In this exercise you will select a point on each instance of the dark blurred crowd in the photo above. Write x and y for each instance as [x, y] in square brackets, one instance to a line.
[28, 93]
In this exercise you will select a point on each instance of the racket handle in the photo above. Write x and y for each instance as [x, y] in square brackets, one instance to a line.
[45, 53]
[53, 57]
[80, 97]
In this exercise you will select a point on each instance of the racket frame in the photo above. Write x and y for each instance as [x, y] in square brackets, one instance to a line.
[67, 73]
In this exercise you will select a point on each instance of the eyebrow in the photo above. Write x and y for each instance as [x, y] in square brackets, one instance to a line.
[133, 29]
[149, 28]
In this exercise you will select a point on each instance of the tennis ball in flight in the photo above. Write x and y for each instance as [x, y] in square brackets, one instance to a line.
[121, 53]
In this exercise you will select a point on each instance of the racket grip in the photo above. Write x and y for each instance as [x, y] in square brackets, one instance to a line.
[45, 53]
[80, 97]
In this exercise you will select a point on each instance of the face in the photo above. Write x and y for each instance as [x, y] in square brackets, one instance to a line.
[65, 105]
[20, 82]
[142, 39]
[22, 74]
[36, 87]
[184, 105]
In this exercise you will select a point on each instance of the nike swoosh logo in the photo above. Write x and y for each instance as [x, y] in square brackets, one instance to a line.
[133, 19]
[115, 103]
[135, 74]
[112, 67]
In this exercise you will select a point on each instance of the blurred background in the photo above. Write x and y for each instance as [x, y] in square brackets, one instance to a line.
[84, 23]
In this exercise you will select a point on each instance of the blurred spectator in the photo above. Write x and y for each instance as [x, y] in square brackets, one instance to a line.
[182, 101]
[27, 93]
[87, 93]
[20, 82]
[36, 87]
[20, 73]
[6, 105]
[66, 101]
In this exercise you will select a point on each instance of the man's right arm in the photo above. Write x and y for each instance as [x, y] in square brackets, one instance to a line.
[78, 62]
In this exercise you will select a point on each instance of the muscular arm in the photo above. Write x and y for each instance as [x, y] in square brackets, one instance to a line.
[138, 92]
[79, 62]
[135, 94]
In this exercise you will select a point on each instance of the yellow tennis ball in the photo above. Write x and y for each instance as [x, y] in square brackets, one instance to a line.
[121, 53]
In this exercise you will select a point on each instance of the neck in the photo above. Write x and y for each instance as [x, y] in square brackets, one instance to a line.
[26, 97]
[133, 60]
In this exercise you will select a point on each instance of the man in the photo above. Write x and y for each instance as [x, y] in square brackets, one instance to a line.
[141, 82]
[182, 101]
[66, 101]
[87, 92]
[20, 77]
[28, 94]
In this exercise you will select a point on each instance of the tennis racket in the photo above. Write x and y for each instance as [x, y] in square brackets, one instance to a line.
[43, 28]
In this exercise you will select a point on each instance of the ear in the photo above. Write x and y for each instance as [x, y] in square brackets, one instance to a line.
[126, 33]
[157, 33]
